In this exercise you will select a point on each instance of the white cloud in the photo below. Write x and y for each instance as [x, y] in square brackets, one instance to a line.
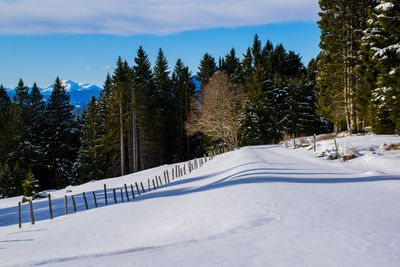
[127, 17]
[88, 67]
[108, 67]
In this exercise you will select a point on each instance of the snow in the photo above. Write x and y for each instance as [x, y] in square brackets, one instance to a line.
[256, 206]
[384, 6]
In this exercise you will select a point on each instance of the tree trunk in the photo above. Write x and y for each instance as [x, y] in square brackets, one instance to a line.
[121, 137]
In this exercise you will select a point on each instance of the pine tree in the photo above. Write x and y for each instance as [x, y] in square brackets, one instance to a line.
[183, 92]
[206, 69]
[163, 106]
[91, 162]
[30, 186]
[382, 43]
[6, 125]
[230, 65]
[341, 24]
[107, 149]
[62, 137]
[144, 102]
[36, 123]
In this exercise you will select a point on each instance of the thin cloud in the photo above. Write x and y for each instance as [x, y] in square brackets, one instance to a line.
[128, 17]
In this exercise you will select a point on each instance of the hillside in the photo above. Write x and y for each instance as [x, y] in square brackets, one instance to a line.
[256, 206]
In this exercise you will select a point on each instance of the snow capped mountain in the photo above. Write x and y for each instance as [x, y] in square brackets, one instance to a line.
[72, 86]
[80, 93]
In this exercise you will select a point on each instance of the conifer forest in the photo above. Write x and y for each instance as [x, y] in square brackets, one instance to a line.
[153, 114]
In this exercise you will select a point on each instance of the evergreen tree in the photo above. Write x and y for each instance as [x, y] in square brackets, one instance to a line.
[382, 43]
[91, 161]
[183, 91]
[30, 186]
[6, 124]
[206, 69]
[62, 137]
[107, 148]
[163, 106]
[35, 128]
[144, 102]
[341, 24]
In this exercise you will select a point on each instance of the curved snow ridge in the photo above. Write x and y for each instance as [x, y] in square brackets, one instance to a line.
[252, 224]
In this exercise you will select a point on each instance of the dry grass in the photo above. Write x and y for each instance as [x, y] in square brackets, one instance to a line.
[326, 136]
[391, 147]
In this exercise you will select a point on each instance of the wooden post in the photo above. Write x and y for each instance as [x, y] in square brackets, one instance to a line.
[165, 179]
[19, 215]
[50, 208]
[66, 204]
[126, 191]
[315, 141]
[294, 141]
[168, 175]
[148, 184]
[184, 169]
[173, 175]
[105, 194]
[84, 197]
[31, 212]
[94, 197]
[154, 185]
[157, 182]
[122, 196]
[137, 187]
[115, 196]
[336, 148]
[160, 180]
[73, 202]
[133, 192]
[142, 187]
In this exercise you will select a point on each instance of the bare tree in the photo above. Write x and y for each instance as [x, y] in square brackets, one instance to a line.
[217, 115]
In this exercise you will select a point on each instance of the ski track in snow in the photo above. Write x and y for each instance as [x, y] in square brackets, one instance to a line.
[258, 206]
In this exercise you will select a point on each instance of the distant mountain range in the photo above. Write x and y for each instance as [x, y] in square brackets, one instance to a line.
[80, 92]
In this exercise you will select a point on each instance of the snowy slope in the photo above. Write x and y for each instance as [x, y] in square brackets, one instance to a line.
[257, 206]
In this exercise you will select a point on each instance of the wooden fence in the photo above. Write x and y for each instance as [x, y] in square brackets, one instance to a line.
[135, 191]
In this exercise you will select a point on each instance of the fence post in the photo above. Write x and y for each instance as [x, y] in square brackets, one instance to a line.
[19, 215]
[137, 187]
[86, 204]
[31, 212]
[133, 192]
[314, 140]
[66, 204]
[148, 183]
[154, 185]
[126, 191]
[105, 194]
[122, 196]
[168, 175]
[94, 197]
[142, 187]
[165, 180]
[157, 182]
[73, 202]
[160, 180]
[50, 208]
[115, 196]
[173, 176]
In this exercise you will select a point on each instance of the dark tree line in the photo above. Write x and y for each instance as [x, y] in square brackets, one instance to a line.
[358, 67]
[140, 118]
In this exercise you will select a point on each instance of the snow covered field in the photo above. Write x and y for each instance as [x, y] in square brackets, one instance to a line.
[257, 206]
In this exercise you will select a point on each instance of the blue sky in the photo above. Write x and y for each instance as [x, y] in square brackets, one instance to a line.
[41, 43]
